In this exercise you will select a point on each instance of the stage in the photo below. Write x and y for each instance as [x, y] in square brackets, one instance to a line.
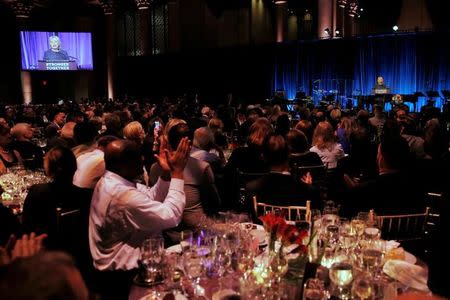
[346, 69]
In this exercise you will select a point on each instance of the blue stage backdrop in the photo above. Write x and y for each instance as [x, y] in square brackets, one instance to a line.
[347, 68]
[78, 46]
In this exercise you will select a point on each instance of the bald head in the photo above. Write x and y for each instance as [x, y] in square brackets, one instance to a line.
[123, 157]
[203, 138]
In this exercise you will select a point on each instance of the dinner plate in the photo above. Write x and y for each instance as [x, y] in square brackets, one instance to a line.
[260, 236]
[410, 258]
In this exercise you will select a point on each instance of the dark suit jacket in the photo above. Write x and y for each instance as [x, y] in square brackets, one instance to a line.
[279, 189]
[392, 193]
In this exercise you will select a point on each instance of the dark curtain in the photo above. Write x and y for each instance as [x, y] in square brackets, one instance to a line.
[345, 68]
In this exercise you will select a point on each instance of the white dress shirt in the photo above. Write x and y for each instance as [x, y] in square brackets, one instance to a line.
[90, 168]
[124, 214]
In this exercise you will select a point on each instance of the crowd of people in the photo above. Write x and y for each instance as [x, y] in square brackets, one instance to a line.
[136, 169]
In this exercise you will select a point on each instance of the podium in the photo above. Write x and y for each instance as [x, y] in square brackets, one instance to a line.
[57, 65]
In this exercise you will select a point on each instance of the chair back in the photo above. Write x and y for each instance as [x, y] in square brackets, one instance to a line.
[242, 179]
[70, 230]
[291, 213]
[404, 227]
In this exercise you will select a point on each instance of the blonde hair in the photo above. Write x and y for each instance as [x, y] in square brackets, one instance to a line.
[323, 137]
[172, 123]
[134, 131]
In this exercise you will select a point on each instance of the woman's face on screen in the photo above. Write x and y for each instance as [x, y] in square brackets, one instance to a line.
[54, 44]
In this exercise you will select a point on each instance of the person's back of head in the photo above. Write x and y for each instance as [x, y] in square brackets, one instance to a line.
[123, 157]
[259, 130]
[176, 133]
[275, 150]
[362, 117]
[395, 153]
[112, 122]
[134, 131]
[85, 133]
[378, 110]
[283, 124]
[60, 164]
[103, 141]
[324, 137]
[203, 138]
[22, 131]
[297, 141]
[45, 276]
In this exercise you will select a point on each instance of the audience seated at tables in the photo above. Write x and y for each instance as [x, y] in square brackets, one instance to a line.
[39, 210]
[65, 137]
[325, 144]
[30, 152]
[279, 187]
[202, 197]
[91, 165]
[54, 128]
[395, 189]
[123, 214]
[299, 154]
[201, 147]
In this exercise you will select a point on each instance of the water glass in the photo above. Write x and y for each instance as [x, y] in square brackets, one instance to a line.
[152, 253]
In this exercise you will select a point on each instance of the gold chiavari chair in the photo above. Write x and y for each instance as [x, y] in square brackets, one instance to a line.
[291, 213]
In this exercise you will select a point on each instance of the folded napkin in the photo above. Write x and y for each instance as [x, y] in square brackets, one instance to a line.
[392, 245]
[408, 274]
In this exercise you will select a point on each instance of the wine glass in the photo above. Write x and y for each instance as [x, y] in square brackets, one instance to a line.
[193, 268]
[362, 287]
[341, 274]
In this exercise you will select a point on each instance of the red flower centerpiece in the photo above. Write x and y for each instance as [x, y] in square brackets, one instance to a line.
[286, 236]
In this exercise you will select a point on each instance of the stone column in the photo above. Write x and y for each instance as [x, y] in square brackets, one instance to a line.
[173, 11]
[281, 20]
[325, 18]
[111, 46]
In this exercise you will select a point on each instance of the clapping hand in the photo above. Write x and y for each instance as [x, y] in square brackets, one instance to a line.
[175, 161]
[23, 247]
[307, 178]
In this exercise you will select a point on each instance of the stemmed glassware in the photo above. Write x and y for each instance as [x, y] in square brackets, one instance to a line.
[363, 288]
[152, 253]
[341, 275]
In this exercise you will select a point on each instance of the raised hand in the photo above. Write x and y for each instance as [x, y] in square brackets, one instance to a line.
[28, 245]
[174, 162]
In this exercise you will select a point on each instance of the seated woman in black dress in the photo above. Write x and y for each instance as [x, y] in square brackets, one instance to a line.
[39, 211]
